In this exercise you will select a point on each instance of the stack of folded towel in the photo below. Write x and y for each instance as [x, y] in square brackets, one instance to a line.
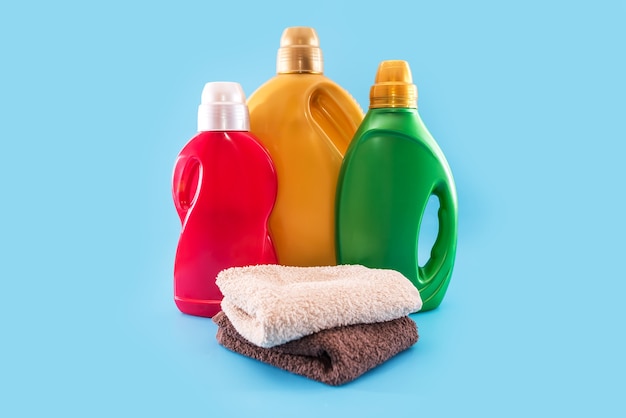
[331, 324]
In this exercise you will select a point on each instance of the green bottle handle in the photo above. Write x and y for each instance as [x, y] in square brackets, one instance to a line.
[434, 277]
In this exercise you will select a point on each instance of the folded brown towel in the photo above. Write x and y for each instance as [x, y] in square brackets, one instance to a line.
[333, 356]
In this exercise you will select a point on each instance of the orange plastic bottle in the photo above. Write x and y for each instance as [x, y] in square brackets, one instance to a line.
[306, 122]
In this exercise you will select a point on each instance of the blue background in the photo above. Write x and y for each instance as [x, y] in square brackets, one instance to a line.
[526, 99]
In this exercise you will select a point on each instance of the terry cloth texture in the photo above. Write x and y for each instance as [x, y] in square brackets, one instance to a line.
[333, 356]
[272, 304]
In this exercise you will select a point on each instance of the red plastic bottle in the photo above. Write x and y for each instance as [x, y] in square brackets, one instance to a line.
[224, 189]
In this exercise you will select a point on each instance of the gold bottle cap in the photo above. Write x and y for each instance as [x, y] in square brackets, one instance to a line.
[393, 86]
[299, 52]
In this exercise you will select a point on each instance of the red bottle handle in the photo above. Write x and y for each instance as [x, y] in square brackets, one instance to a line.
[186, 184]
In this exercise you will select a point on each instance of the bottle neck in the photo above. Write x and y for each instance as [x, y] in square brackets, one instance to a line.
[392, 109]
[390, 95]
[223, 117]
[299, 59]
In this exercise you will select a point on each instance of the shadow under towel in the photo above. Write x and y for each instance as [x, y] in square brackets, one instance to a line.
[332, 356]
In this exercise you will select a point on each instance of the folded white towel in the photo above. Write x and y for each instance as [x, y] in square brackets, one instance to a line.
[271, 304]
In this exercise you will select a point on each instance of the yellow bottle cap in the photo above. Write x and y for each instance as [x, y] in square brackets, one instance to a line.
[393, 86]
[299, 52]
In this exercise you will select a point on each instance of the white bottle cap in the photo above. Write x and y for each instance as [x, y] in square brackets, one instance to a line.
[223, 108]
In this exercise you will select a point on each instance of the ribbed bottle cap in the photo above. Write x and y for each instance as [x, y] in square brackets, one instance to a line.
[393, 86]
[223, 108]
[299, 52]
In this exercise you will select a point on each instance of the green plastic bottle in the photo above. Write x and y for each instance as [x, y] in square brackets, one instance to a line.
[392, 167]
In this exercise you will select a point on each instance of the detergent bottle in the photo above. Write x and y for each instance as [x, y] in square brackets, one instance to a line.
[224, 188]
[391, 169]
[306, 122]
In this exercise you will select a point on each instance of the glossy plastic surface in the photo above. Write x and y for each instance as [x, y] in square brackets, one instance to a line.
[224, 188]
[390, 170]
[306, 122]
